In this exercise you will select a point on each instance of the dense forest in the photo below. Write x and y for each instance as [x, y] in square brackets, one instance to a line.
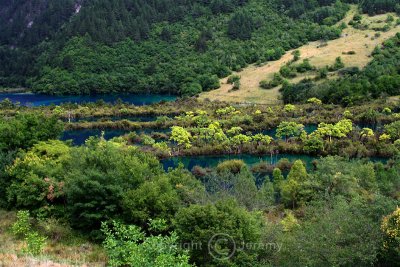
[179, 47]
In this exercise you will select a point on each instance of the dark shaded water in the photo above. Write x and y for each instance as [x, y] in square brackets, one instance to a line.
[28, 99]
[115, 118]
[212, 161]
[79, 137]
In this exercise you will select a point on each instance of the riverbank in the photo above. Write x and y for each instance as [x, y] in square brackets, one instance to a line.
[14, 90]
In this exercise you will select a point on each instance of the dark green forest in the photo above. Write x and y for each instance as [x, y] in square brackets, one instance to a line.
[178, 47]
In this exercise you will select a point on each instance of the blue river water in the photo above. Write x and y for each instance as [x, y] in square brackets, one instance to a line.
[32, 100]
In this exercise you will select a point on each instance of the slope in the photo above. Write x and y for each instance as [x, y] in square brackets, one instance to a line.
[320, 54]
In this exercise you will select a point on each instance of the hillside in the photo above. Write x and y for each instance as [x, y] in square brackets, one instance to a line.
[320, 54]
[140, 46]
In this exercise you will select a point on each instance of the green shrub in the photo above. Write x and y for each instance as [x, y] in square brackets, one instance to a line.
[233, 166]
[276, 81]
[305, 66]
[127, 245]
[22, 226]
[337, 65]
[236, 86]
[191, 89]
[233, 78]
[35, 242]
[288, 72]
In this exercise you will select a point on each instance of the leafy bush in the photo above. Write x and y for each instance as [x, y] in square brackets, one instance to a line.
[233, 78]
[305, 66]
[22, 226]
[35, 243]
[26, 129]
[288, 71]
[232, 166]
[127, 245]
[277, 80]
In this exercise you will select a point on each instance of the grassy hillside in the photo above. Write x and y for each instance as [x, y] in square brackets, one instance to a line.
[320, 54]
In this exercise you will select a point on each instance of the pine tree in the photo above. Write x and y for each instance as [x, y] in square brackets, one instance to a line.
[294, 185]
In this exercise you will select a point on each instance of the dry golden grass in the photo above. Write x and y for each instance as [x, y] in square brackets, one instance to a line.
[65, 252]
[362, 42]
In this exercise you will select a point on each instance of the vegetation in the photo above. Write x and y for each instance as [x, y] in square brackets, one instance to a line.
[377, 79]
[196, 43]
[117, 202]
[183, 211]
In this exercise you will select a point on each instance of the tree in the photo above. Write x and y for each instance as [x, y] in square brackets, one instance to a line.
[337, 65]
[191, 89]
[332, 234]
[234, 131]
[366, 134]
[266, 195]
[278, 179]
[293, 190]
[241, 26]
[290, 222]
[181, 136]
[37, 178]
[289, 129]
[384, 137]
[213, 134]
[26, 129]
[313, 144]
[239, 140]
[6, 159]
[296, 55]
[244, 189]
[339, 130]
[201, 224]
[337, 176]
[390, 227]
[99, 176]
[393, 129]
[155, 199]
[262, 139]
[289, 108]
